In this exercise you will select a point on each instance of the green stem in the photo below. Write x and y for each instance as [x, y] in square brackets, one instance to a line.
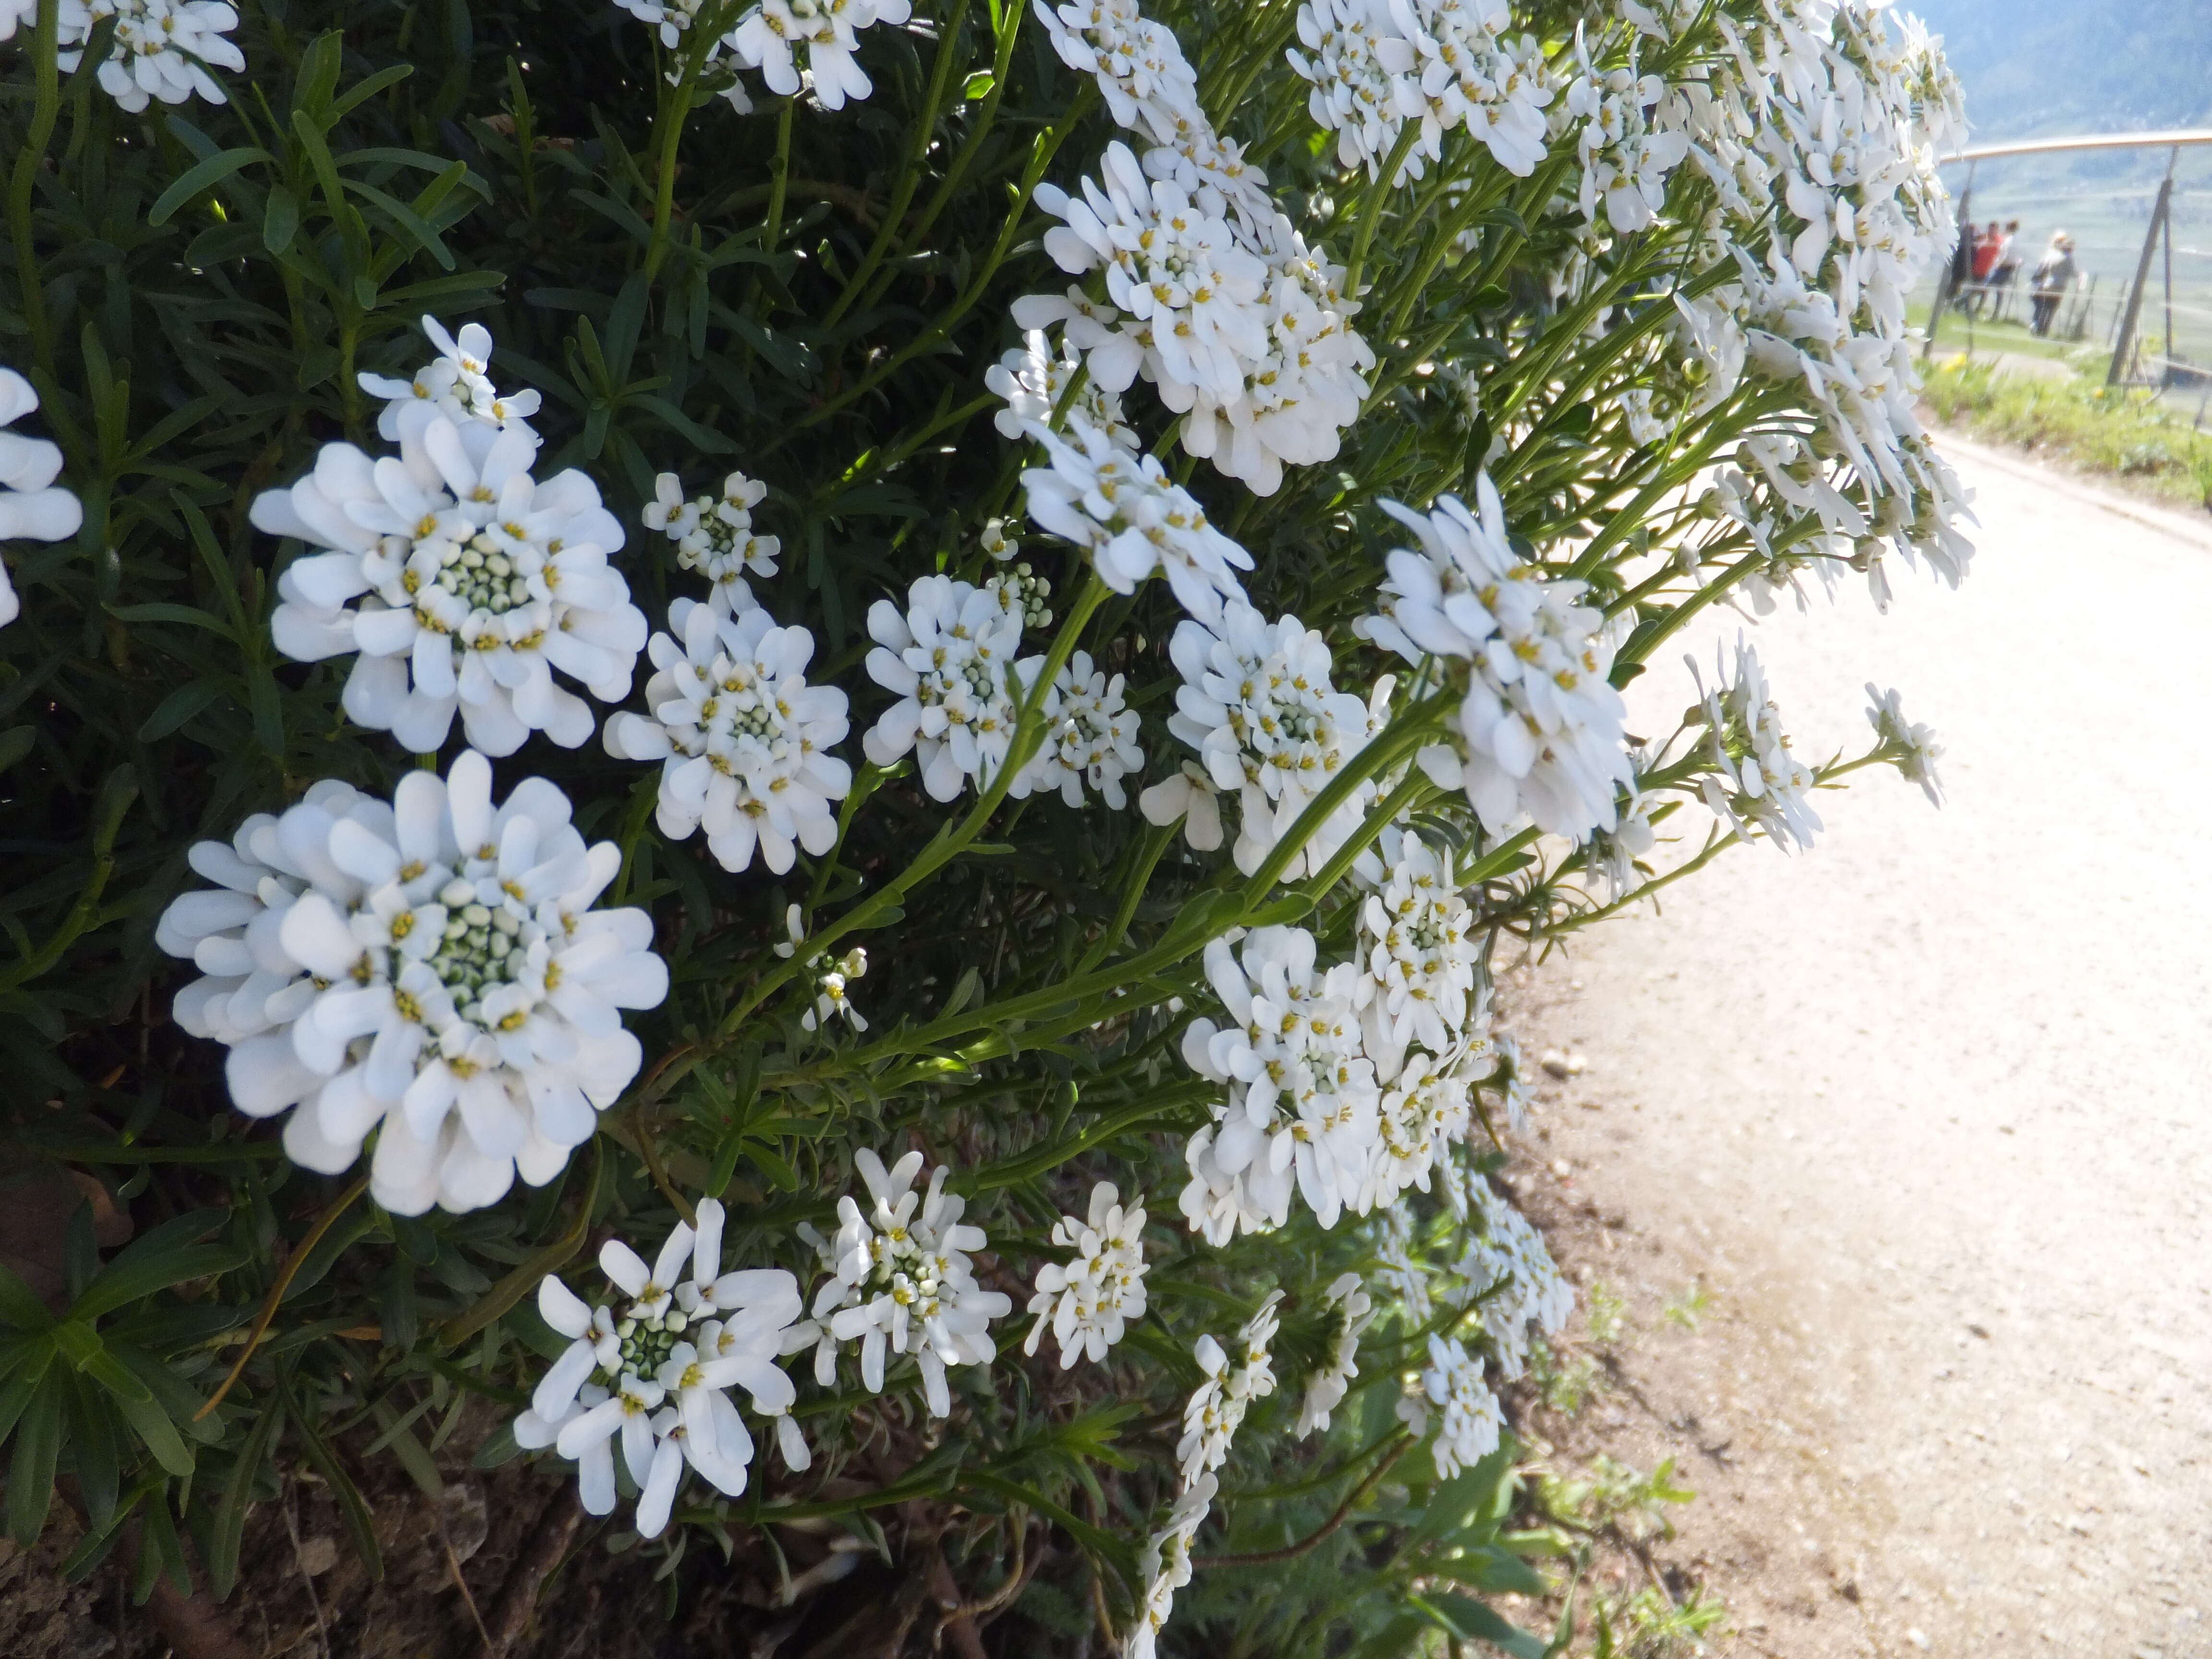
[1371, 212]
[45, 111]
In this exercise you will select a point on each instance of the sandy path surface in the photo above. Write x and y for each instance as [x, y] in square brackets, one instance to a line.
[1925, 1112]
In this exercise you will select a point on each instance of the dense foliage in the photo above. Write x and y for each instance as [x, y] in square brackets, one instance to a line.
[940, 888]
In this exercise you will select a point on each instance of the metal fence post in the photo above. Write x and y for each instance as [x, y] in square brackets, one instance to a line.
[2123, 345]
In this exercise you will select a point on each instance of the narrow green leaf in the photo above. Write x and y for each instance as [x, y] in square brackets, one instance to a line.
[228, 1527]
[281, 223]
[38, 1447]
[205, 176]
[355, 1512]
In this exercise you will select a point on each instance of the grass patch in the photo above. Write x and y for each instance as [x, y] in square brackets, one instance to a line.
[2122, 433]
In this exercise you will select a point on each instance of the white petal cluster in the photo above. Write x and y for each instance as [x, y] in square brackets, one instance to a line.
[1258, 706]
[1376, 66]
[654, 1369]
[1301, 1099]
[431, 965]
[672, 20]
[1020, 592]
[1090, 738]
[953, 660]
[1625, 160]
[33, 506]
[1510, 1269]
[1214, 297]
[460, 582]
[1033, 377]
[715, 536]
[1407, 1277]
[1124, 511]
[1425, 1110]
[832, 978]
[1452, 1392]
[901, 1281]
[1917, 751]
[1088, 1302]
[1538, 731]
[1819, 131]
[743, 739]
[1148, 84]
[1417, 936]
[163, 48]
[769, 37]
[1351, 1310]
[456, 384]
[1756, 782]
[1210, 1420]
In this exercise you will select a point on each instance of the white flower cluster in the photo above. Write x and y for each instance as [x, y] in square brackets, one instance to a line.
[1417, 933]
[832, 978]
[953, 660]
[1213, 294]
[33, 506]
[1511, 1272]
[1351, 1310]
[1917, 751]
[1215, 1411]
[769, 36]
[1625, 160]
[1123, 510]
[742, 738]
[1453, 1394]
[715, 536]
[1756, 780]
[1300, 1107]
[655, 1373]
[1376, 66]
[1257, 704]
[1088, 1303]
[1827, 109]
[901, 1282]
[461, 582]
[1090, 738]
[432, 965]
[163, 48]
[456, 384]
[1538, 733]
[1033, 377]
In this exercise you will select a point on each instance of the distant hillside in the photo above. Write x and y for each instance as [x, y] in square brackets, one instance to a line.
[2034, 68]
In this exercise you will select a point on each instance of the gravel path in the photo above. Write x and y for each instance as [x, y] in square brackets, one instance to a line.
[1925, 1112]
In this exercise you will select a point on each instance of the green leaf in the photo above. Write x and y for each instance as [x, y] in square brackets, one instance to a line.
[1469, 1621]
[157, 1260]
[38, 1447]
[20, 1305]
[281, 223]
[161, 611]
[183, 704]
[16, 743]
[228, 1527]
[205, 176]
[367, 89]
[152, 1425]
[351, 1508]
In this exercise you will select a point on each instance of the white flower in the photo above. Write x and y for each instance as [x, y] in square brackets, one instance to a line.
[1417, 935]
[1020, 592]
[670, 20]
[1088, 1302]
[1452, 1388]
[715, 537]
[1626, 162]
[742, 738]
[162, 47]
[1166, 1563]
[1033, 379]
[1472, 74]
[1258, 705]
[1132, 519]
[456, 384]
[769, 36]
[1186, 795]
[948, 660]
[902, 1284]
[1351, 1312]
[1090, 737]
[832, 979]
[1301, 1099]
[1916, 750]
[1217, 1407]
[1408, 1279]
[1612, 853]
[657, 1374]
[461, 582]
[1511, 1272]
[1756, 780]
[1147, 82]
[33, 506]
[1424, 1112]
[1538, 727]
[433, 965]
[1172, 268]
[1365, 85]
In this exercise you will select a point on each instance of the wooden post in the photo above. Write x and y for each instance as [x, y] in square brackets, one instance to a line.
[2124, 345]
[1943, 283]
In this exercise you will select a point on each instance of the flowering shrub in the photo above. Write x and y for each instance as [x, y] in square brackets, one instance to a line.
[1196, 484]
